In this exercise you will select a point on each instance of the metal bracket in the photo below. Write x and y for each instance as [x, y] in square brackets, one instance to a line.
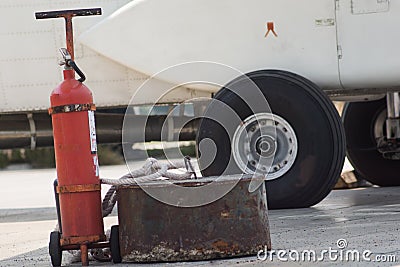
[32, 127]
[77, 240]
[390, 149]
[72, 108]
[66, 57]
[63, 189]
[393, 115]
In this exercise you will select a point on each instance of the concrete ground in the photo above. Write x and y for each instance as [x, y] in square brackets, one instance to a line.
[366, 220]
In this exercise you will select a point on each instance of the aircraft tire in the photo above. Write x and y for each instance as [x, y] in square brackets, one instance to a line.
[360, 120]
[313, 119]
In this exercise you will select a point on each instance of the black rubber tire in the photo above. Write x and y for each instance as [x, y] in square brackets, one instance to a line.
[359, 120]
[55, 248]
[320, 134]
[114, 245]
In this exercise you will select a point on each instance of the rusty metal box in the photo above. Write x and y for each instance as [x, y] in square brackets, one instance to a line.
[234, 225]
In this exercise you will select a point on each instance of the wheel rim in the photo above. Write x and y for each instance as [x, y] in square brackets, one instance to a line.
[265, 143]
[379, 125]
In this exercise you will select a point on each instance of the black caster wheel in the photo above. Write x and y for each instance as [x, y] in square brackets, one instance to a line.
[55, 248]
[114, 244]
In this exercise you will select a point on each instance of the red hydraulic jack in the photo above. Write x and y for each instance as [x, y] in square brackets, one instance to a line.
[78, 190]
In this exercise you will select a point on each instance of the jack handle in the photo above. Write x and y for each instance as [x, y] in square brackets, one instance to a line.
[67, 61]
[68, 15]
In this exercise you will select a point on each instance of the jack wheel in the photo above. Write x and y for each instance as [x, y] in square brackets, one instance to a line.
[304, 134]
[363, 123]
[114, 244]
[55, 248]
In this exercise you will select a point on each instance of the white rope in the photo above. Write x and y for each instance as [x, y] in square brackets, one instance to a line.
[152, 170]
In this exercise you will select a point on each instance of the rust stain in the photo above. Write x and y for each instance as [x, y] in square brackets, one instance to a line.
[224, 214]
[270, 28]
[73, 240]
[221, 245]
[62, 189]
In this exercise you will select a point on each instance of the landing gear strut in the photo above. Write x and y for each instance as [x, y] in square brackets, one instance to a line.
[389, 145]
[372, 144]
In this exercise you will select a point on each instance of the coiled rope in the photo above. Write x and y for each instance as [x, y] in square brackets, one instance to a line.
[152, 170]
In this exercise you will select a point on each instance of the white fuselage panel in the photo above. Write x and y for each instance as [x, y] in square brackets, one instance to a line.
[336, 44]
[368, 35]
[157, 34]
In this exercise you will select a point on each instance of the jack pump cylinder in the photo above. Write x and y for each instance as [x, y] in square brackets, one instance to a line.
[79, 189]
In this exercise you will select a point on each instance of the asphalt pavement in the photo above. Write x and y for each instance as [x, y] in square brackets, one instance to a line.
[363, 222]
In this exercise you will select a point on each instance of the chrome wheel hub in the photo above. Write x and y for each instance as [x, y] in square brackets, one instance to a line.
[265, 143]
